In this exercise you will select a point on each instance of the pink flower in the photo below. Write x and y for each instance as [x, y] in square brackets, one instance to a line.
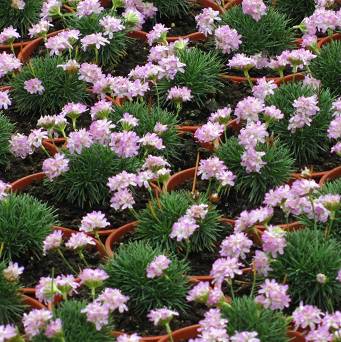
[334, 130]
[213, 327]
[79, 140]
[248, 219]
[263, 88]
[92, 278]
[273, 295]
[101, 110]
[9, 34]
[159, 128]
[312, 82]
[93, 221]
[88, 7]
[249, 109]
[252, 160]
[157, 34]
[209, 168]
[161, 316]
[55, 166]
[157, 267]
[4, 187]
[97, 314]
[209, 132]
[300, 58]
[8, 63]
[252, 134]
[111, 25]
[39, 29]
[90, 72]
[50, 8]
[221, 116]
[36, 321]
[227, 39]
[128, 338]
[121, 181]
[5, 100]
[158, 52]
[128, 121]
[74, 109]
[303, 187]
[236, 245]
[206, 20]
[18, 4]
[46, 289]
[261, 263]
[122, 199]
[148, 71]
[79, 240]
[336, 148]
[7, 332]
[274, 240]
[321, 334]
[152, 140]
[100, 131]
[113, 299]
[12, 272]
[199, 293]
[54, 328]
[53, 241]
[34, 86]
[339, 276]
[276, 197]
[183, 228]
[20, 146]
[255, 8]
[179, 94]
[225, 269]
[307, 316]
[197, 211]
[96, 40]
[272, 113]
[133, 18]
[125, 144]
[67, 284]
[245, 336]
[241, 61]
[36, 137]
[170, 67]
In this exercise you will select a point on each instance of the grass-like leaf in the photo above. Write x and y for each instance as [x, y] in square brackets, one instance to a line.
[174, 8]
[6, 130]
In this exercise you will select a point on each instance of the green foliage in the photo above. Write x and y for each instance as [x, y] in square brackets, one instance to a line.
[326, 67]
[6, 130]
[333, 187]
[11, 306]
[19, 19]
[293, 9]
[127, 272]
[148, 117]
[110, 54]
[201, 75]
[245, 315]
[155, 223]
[174, 8]
[24, 224]
[85, 184]
[308, 143]
[270, 35]
[307, 254]
[60, 88]
[75, 325]
[254, 185]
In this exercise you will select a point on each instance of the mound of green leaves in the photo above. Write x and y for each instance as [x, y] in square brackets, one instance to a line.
[173, 8]
[326, 67]
[6, 130]
[85, 183]
[254, 185]
[127, 272]
[270, 35]
[307, 254]
[60, 88]
[24, 224]
[155, 223]
[309, 143]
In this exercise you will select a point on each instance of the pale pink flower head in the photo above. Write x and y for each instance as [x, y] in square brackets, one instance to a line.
[248, 109]
[227, 39]
[179, 94]
[252, 160]
[67, 284]
[160, 128]
[5, 100]
[206, 20]
[304, 187]
[55, 166]
[334, 130]
[261, 263]
[128, 338]
[46, 289]
[199, 293]
[54, 328]
[170, 66]
[4, 187]
[271, 113]
[74, 109]
[242, 62]
[8, 63]
[307, 316]
[209, 132]
[39, 29]
[79, 140]
[36, 321]
[93, 278]
[122, 199]
[114, 300]
[254, 8]
[8, 332]
[245, 336]
[263, 88]
[111, 25]
[274, 240]
[236, 245]
[88, 7]
[158, 266]
[53, 241]
[101, 110]
[94, 40]
[90, 72]
[12, 272]
[36, 137]
[252, 134]
[50, 9]
[100, 131]
[273, 295]
[128, 121]
[79, 241]
[71, 66]
[34, 86]
[18, 4]
[161, 316]
[225, 269]
[197, 211]
[336, 149]
[93, 221]
[158, 34]
[248, 219]
[125, 144]
[276, 197]
[221, 116]
[121, 181]
[210, 168]
[213, 326]
[183, 228]
[8, 35]
[133, 18]
[152, 140]
[20, 146]
[97, 314]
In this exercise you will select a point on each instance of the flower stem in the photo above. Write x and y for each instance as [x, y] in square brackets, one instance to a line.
[247, 75]
[66, 262]
[169, 332]
[82, 257]
[330, 225]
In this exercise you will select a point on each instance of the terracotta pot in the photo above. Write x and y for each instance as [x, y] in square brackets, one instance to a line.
[326, 40]
[192, 331]
[24, 182]
[232, 3]
[332, 174]
[32, 303]
[142, 339]
[277, 80]
[314, 175]
[195, 36]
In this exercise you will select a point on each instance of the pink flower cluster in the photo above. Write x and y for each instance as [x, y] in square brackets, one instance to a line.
[206, 20]
[88, 7]
[55, 166]
[161, 316]
[8, 35]
[254, 8]
[334, 130]
[158, 266]
[227, 39]
[8, 63]
[203, 293]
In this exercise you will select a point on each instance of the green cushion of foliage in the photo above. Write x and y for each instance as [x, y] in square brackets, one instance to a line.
[245, 315]
[6, 130]
[60, 88]
[327, 66]
[11, 306]
[127, 272]
[85, 184]
[75, 325]
[307, 254]
[110, 54]
[24, 224]
[155, 223]
[253, 186]
[174, 8]
[201, 75]
[148, 117]
[270, 35]
[307, 143]
[19, 19]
